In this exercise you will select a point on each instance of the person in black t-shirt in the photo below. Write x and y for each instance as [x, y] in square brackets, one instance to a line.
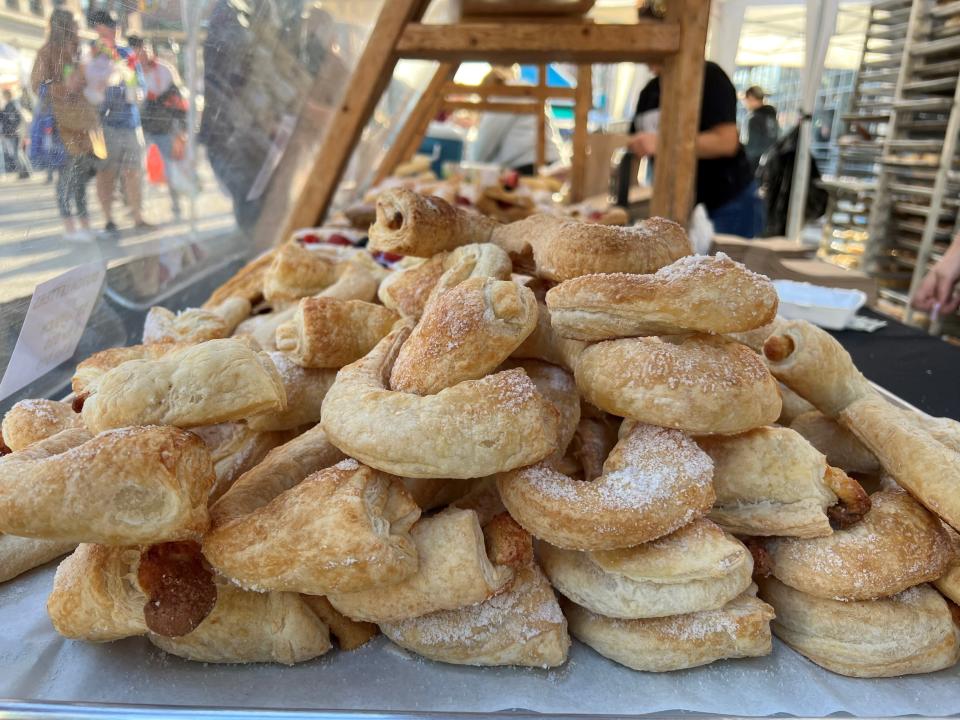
[725, 183]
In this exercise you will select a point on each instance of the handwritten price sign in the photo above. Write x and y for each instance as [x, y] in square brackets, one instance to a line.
[56, 318]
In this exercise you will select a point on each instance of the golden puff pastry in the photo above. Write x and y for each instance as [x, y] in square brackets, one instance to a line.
[897, 545]
[521, 626]
[949, 582]
[299, 271]
[349, 634]
[471, 261]
[454, 571]
[420, 225]
[697, 293]
[558, 386]
[235, 448]
[655, 481]
[698, 567]
[741, 628]
[841, 446]
[544, 343]
[20, 554]
[106, 593]
[247, 283]
[754, 339]
[134, 485]
[328, 333]
[701, 384]
[473, 429]
[813, 364]
[31, 420]
[465, 334]
[304, 389]
[565, 249]
[343, 529]
[793, 406]
[910, 633]
[771, 481]
[213, 382]
[251, 627]
[920, 463]
[408, 288]
[260, 329]
[100, 363]
[283, 468]
[195, 324]
[358, 280]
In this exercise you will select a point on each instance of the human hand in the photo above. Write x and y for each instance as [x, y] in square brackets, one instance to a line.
[938, 287]
[643, 144]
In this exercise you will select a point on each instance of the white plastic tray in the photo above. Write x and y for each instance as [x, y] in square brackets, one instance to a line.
[827, 307]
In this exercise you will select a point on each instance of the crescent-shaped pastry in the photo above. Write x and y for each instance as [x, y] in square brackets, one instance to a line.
[897, 545]
[565, 249]
[473, 429]
[521, 626]
[701, 384]
[106, 593]
[349, 634]
[251, 627]
[283, 467]
[20, 554]
[102, 362]
[298, 271]
[195, 324]
[408, 288]
[910, 633]
[925, 467]
[655, 481]
[328, 333]
[304, 389]
[134, 485]
[544, 343]
[813, 364]
[454, 571]
[949, 582]
[841, 446]
[419, 225]
[213, 382]
[29, 421]
[479, 260]
[697, 293]
[343, 529]
[770, 481]
[464, 334]
[698, 567]
[741, 628]
[235, 448]
[247, 283]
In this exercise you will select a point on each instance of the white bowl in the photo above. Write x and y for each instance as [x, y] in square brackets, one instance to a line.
[827, 307]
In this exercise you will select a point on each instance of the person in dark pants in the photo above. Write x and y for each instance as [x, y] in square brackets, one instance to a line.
[762, 126]
[11, 120]
[725, 183]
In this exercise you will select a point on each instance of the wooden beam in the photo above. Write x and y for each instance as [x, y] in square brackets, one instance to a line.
[488, 106]
[578, 42]
[407, 141]
[541, 154]
[681, 92]
[304, 198]
[524, 91]
[578, 170]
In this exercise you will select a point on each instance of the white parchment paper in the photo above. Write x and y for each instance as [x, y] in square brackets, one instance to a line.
[37, 664]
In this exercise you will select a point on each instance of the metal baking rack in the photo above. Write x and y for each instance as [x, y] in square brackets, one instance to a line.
[914, 212]
[850, 190]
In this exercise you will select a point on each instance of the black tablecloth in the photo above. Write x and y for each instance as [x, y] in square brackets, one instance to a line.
[920, 368]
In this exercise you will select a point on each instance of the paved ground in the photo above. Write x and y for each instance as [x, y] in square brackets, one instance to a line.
[32, 244]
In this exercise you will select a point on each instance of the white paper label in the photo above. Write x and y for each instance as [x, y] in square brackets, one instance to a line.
[55, 320]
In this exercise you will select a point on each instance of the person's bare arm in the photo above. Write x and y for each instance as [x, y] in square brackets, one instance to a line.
[939, 287]
[718, 142]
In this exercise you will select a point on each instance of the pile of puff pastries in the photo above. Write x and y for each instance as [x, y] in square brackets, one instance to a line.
[519, 433]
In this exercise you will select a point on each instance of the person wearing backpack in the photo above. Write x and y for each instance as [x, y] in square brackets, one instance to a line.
[163, 113]
[66, 122]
